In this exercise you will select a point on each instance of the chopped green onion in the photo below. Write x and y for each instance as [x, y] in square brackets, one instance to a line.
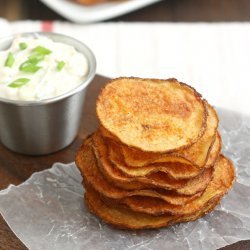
[42, 50]
[10, 60]
[23, 46]
[60, 65]
[36, 58]
[29, 67]
[19, 82]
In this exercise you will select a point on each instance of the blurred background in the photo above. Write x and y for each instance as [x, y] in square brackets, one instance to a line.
[167, 10]
[205, 43]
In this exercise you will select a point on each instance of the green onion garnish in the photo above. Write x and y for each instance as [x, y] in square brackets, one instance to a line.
[36, 58]
[29, 67]
[42, 50]
[10, 60]
[23, 46]
[19, 82]
[60, 65]
[38, 54]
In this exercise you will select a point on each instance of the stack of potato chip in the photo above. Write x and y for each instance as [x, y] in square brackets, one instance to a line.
[155, 160]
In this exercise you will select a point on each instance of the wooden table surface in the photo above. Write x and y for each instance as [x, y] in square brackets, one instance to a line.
[16, 168]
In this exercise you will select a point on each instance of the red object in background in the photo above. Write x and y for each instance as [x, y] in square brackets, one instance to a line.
[47, 26]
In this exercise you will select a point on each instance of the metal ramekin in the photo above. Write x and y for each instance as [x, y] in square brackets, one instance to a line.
[46, 126]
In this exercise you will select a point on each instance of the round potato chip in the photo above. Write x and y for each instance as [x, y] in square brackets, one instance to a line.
[155, 180]
[195, 155]
[174, 169]
[152, 115]
[127, 219]
[87, 165]
[222, 180]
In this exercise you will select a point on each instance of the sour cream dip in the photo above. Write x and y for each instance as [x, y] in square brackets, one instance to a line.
[37, 68]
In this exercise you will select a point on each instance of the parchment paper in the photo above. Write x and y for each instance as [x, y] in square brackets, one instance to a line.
[47, 211]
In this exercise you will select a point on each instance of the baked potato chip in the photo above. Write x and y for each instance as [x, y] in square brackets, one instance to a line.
[154, 180]
[124, 218]
[173, 169]
[87, 165]
[152, 115]
[195, 155]
[222, 180]
[155, 159]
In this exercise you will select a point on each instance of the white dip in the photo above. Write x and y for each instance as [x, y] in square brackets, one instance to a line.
[50, 69]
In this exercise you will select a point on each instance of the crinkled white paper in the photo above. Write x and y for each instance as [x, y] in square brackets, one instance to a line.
[47, 211]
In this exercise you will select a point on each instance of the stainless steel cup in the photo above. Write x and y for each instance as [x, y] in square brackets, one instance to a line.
[46, 126]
